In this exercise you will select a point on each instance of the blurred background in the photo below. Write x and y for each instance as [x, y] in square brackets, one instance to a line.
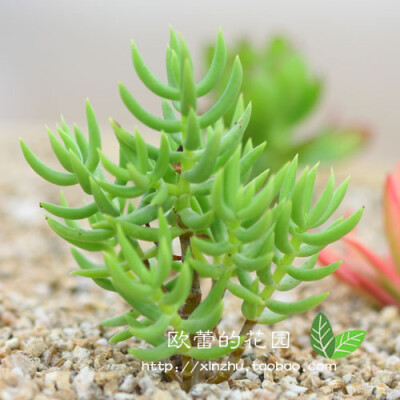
[54, 54]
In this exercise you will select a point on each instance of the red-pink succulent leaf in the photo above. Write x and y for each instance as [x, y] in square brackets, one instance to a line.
[377, 262]
[391, 209]
[351, 278]
[377, 292]
[328, 256]
[356, 280]
[391, 263]
[358, 263]
[347, 275]
[364, 286]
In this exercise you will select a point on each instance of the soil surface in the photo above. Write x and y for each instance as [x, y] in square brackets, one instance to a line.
[53, 347]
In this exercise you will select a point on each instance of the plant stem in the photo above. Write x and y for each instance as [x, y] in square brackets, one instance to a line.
[190, 374]
[194, 298]
[234, 357]
[173, 376]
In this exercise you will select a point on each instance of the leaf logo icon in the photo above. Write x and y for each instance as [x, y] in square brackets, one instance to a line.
[325, 344]
[322, 339]
[347, 342]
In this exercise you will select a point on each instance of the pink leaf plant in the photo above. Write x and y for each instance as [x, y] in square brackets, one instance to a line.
[370, 274]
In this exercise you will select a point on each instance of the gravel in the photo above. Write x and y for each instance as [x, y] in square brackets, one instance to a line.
[52, 346]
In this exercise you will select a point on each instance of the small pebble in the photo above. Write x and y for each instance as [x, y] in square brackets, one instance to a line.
[85, 386]
[8, 318]
[36, 347]
[12, 343]
[124, 396]
[128, 384]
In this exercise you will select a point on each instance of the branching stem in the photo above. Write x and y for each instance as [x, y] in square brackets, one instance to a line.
[190, 374]
[222, 376]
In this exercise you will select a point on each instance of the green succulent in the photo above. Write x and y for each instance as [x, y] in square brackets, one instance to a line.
[242, 234]
[284, 92]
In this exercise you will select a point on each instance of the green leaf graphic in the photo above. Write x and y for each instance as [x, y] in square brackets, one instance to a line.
[347, 342]
[322, 339]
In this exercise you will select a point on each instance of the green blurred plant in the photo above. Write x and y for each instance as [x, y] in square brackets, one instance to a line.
[243, 235]
[284, 92]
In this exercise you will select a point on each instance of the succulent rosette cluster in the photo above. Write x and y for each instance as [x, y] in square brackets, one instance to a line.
[243, 234]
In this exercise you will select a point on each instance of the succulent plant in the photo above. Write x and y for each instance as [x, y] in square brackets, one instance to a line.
[241, 234]
[284, 92]
[374, 276]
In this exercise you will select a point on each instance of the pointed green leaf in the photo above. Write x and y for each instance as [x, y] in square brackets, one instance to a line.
[322, 339]
[348, 342]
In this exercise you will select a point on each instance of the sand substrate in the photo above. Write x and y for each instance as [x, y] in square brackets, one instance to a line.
[53, 347]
